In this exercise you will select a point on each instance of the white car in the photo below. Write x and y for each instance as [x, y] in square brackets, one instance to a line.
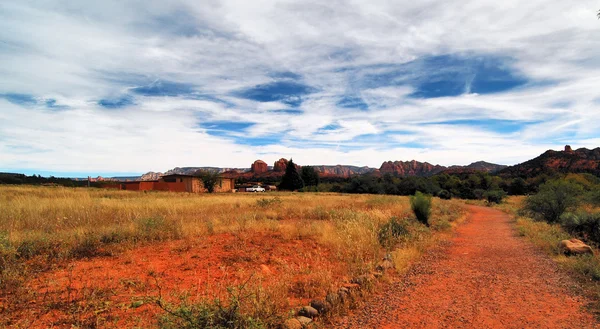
[255, 188]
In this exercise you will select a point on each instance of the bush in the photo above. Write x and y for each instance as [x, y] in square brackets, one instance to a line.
[554, 198]
[389, 233]
[421, 206]
[583, 225]
[495, 196]
[445, 195]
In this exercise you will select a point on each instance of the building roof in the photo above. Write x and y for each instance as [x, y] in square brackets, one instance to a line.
[178, 175]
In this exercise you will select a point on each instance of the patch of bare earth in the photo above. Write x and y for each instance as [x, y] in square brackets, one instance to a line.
[487, 277]
[117, 291]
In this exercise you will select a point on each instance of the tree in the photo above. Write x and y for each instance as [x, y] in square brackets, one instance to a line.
[291, 180]
[518, 186]
[310, 176]
[554, 198]
[209, 179]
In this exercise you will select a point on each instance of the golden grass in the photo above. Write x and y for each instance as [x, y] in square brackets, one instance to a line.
[59, 224]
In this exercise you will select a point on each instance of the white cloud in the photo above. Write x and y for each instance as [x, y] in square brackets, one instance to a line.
[80, 52]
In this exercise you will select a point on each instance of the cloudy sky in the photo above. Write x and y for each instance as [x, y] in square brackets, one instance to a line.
[121, 87]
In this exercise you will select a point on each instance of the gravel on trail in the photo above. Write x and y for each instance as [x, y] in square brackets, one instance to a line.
[486, 277]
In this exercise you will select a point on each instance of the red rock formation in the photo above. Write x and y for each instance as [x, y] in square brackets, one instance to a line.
[259, 167]
[568, 149]
[574, 161]
[410, 168]
[280, 165]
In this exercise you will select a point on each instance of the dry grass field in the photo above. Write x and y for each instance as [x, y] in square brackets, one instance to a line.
[87, 258]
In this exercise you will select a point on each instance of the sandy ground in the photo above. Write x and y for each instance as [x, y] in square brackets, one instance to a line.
[487, 277]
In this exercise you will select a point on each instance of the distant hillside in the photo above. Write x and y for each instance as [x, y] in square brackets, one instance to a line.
[410, 168]
[187, 171]
[400, 168]
[343, 171]
[568, 161]
[476, 167]
[425, 169]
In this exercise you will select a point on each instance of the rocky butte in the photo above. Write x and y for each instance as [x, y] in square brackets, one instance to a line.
[280, 165]
[259, 167]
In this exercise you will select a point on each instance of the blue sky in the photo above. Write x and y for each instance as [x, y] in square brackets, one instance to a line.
[125, 87]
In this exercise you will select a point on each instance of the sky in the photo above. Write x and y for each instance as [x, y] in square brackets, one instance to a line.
[125, 87]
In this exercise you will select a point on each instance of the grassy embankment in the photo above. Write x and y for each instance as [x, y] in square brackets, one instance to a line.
[585, 268]
[45, 229]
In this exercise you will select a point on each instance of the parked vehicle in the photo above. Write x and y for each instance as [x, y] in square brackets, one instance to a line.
[255, 188]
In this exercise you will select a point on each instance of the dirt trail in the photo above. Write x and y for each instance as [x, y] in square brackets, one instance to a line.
[487, 278]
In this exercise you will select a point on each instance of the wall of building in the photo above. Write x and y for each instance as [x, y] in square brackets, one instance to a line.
[225, 185]
[171, 187]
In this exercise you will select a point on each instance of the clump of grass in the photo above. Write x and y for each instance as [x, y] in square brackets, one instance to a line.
[245, 308]
[390, 232]
[157, 229]
[544, 235]
[268, 202]
[421, 206]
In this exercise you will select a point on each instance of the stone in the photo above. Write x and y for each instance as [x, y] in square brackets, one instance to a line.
[304, 321]
[332, 299]
[343, 294]
[292, 324]
[575, 247]
[320, 306]
[350, 286]
[384, 265]
[568, 149]
[259, 167]
[363, 280]
[308, 311]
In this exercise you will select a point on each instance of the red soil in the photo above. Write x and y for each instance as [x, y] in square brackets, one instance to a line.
[487, 278]
[109, 290]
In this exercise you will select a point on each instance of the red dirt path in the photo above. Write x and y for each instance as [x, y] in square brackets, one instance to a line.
[487, 278]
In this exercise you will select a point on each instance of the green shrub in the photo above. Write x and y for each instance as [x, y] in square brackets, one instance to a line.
[445, 195]
[421, 206]
[495, 196]
[390, 232]
[553, 199]
[583, 225]
[588, 266]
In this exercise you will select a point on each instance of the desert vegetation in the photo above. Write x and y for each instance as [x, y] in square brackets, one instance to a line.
[563, 209]
[107, 258]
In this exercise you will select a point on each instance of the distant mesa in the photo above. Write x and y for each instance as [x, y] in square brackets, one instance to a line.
[259, 167]
[568, 149]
